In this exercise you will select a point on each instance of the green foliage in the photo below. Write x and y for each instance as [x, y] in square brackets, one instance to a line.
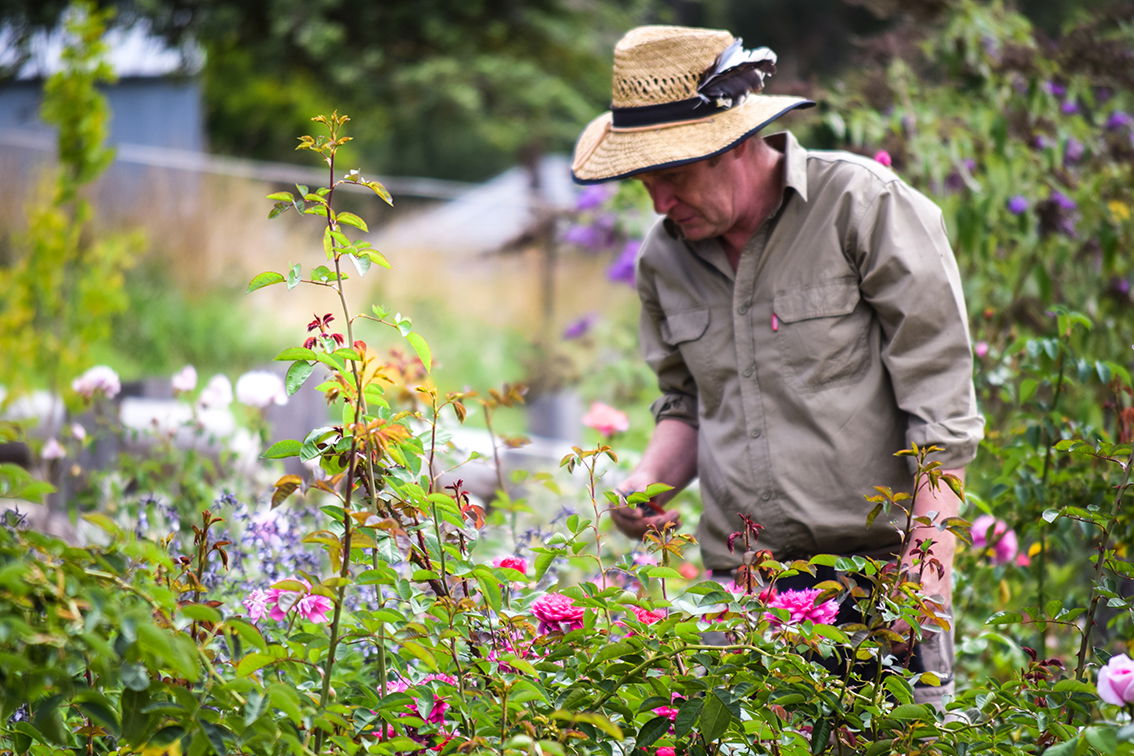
[62, 288]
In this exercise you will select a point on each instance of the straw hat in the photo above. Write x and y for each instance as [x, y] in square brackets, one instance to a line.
[658, 119]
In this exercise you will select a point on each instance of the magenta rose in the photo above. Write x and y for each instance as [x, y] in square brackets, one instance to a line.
[554, 610]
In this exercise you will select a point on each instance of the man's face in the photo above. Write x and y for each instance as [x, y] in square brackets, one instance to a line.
[700, 197]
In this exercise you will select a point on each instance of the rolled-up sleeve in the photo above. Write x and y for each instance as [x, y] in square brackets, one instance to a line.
[678, 400]
[910, 277]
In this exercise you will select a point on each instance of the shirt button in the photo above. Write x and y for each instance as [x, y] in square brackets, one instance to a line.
[755, 433]
[748, 371]
[766, 495]
[742, 309]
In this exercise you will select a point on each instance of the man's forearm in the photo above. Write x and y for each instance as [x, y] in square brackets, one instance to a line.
[670, 458]
[938, 504]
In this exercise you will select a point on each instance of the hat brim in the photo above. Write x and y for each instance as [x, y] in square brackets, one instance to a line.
[604, 153]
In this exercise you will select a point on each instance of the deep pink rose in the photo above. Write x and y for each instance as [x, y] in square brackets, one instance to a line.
[647, 617]
[1116, 681]
[552, 609]
[801, 607]
[511, 562]
[884, 158]
[987, 531]
[665, 751]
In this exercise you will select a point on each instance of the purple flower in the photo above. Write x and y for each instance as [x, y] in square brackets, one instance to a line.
[1018, 205]
[579, 327]
[1073, 152]
[1069, 107]
[1063, 201]
[583, 236]
[593, 196]
[1056, 90]
[1118, 120]
[623, 268]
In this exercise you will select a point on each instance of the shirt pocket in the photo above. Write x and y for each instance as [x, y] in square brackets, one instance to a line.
[823, 332]
[687, 331]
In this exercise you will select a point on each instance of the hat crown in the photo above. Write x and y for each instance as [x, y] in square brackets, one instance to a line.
[659, 64]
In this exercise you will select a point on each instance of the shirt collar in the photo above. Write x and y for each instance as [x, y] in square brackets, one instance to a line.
[795, 161]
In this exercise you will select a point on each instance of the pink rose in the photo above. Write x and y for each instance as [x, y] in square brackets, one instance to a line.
[665, 751]
[647, 617]
[512, 563]
[257, 604]
[314, 608]
[801, 607]
[440, 706]
[987, 531]
[980, 349]
[689, 571]
[552, 609]
[311, 606]
[184, 380]
[1116, 681]
[884, 158]
[53, 450]
[606, 419]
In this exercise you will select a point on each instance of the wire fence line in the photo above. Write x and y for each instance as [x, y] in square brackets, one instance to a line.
[171, 158]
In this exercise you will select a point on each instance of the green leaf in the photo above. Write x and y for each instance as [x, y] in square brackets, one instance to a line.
[287, 448]
[294, 277]
[201, 613]
[135, 677]
[912, 711]
[352, 220]
[253, 662]
[687, 716]
[715, 717]
[295, 353]
[265, 279]
[297, 374]
[420, 346]
[651, 731]
[662, 572]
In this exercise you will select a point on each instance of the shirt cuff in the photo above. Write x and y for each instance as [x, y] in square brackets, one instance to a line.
[675, 407]
[957, 438]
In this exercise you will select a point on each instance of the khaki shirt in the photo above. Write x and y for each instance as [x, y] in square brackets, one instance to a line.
[840, 339]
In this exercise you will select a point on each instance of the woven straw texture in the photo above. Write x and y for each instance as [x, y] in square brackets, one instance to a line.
[660, 64]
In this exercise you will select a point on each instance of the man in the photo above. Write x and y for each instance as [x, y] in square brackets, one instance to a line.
[802, 310]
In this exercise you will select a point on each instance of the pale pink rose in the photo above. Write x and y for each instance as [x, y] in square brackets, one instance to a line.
[314, 608]
[511, 562]
[1116, 681]
[216, 394]
[310, 606]
[606, 419]
[645, 559]
[884, 158]
[989, 532]
[554, 609]
[256, 603]
[184, 380]
[53, 450]
[78, 432]
[260, 388]
[98, 380]
[801, 606]
[980, 349]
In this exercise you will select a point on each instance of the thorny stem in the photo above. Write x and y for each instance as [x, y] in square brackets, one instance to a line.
[1041, 557]
[1100, 561]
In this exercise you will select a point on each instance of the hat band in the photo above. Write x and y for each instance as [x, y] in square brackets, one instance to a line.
[666, 112]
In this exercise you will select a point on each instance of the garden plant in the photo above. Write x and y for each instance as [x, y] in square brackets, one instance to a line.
[346, 593]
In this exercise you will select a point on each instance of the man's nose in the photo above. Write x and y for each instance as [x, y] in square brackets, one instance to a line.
[663, 198]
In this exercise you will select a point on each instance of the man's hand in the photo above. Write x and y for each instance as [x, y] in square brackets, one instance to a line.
[635, 523]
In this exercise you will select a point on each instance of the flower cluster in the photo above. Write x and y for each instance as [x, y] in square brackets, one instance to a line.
[99, 380]
[277, 603]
